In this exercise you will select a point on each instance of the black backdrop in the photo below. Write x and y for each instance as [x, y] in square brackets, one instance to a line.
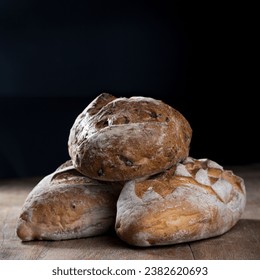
[56, 57]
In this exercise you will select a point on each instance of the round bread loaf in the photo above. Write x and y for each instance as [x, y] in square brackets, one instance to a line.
[65, 205]
[194, 200]
[119, 139]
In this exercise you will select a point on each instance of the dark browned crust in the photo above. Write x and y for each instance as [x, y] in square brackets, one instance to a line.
[128, 138]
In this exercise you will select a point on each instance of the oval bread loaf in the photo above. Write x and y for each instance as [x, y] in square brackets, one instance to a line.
[119, 139]
[65, 205]
[194, 200]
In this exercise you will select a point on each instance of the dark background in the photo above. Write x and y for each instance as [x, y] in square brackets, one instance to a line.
[56, 57]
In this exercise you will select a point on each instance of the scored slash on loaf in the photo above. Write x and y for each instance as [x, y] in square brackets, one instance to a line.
[130, 169]
[194, 200]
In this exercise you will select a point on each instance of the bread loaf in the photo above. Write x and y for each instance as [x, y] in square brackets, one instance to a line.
[119, 139]
[167, 198]
[194, 200]
[65, 205]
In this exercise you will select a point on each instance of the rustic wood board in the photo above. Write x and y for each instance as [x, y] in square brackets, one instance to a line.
[241, 242]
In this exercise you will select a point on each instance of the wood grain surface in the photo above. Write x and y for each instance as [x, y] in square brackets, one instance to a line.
[241, 242]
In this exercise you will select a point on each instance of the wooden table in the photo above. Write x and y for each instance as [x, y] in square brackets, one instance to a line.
[241, 242]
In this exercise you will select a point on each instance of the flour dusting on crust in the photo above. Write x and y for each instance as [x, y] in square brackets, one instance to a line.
[65, 205]
[192, 207]
[105, 139]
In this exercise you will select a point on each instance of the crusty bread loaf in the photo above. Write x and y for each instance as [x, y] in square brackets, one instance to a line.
[143, 143]
[119, 139]
[194, 200]
[66, 204]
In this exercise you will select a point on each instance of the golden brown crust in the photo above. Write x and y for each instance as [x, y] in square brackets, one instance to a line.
[67, 204]
[195, 200]
[128, 138]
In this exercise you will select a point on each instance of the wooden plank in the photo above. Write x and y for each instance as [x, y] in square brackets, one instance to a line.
[242, 242]
[251, 176]
[14, 192]
[110, 247]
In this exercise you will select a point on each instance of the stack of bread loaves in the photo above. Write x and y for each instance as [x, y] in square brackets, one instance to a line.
[130, 169]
